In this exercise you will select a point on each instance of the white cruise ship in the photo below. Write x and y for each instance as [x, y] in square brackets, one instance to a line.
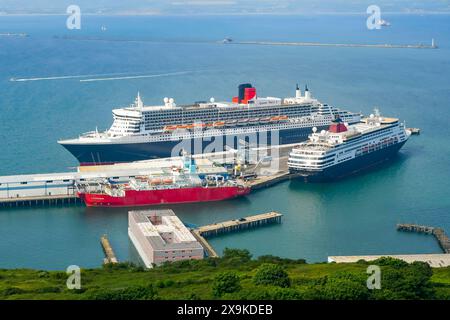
[141, 132]
[345, 149]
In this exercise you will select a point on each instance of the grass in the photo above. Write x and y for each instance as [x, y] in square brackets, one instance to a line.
[181, 280]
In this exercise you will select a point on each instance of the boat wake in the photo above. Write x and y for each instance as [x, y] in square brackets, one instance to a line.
[63, 77]
[137, 76]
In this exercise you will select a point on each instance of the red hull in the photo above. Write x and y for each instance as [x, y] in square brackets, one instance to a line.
[167, 196]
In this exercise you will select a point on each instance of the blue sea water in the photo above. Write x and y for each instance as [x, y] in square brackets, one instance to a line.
[350, 217]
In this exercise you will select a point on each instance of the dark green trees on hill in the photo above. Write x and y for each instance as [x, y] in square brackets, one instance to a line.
[272, 274]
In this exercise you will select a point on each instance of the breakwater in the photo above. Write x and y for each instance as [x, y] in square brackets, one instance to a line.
[438, 233]
[350, 45]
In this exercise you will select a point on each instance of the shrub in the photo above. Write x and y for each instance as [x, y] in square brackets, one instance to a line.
[126, 265]
[130, 293]
[389, 261]
[345, 286]
[236, 255]
[192, 296]
[60, 275]
[43, 274]
[274, 259]
[407, 282]
[48, 290]
[12, 290]
[226, 282]
[271, 274]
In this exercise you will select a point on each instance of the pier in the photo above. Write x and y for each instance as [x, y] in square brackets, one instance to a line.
[205, 244]
[52, 189]
[36, 201]
[239, 224]
[246, 223]
[438, 233]
[110, 256]
[438, 260]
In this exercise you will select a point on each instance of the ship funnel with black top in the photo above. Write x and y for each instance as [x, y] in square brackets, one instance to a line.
[298, 93]
[307, 93]
[245, 93]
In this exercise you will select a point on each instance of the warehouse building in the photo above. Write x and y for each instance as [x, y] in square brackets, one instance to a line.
[159, 236]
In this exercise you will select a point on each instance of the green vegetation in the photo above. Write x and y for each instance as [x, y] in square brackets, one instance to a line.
[234, 276]
[226, 282]
[271, 274]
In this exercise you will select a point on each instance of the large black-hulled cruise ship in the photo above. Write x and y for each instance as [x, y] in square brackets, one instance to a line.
[142, 132]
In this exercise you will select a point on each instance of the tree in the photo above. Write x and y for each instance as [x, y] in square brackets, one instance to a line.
[345, 286]
[226, 282]
[411, 281]
[389, 261]
[271, 274]
[243, 255]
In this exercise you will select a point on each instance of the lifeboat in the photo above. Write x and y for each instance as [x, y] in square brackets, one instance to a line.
[265, 120]
[275, 119]
[242, 122]
[167, 181]
[190, 126]
[209, 125]
[155, 181]
[254, 120]
[283, 118]
[199, 125]
[219, 124]
[182, 126]
[170, 128]
[231, 123]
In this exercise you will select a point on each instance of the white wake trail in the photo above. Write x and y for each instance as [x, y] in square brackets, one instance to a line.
[64, 77]
[137, 76]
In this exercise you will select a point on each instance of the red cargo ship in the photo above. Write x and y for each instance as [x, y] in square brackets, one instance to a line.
[146, 191]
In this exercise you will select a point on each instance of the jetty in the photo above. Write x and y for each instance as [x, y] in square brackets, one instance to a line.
[439, 260]
[438, 233]
[246, 223]
[110, 256]
[36, 201]
[205, 244]
[51, 189]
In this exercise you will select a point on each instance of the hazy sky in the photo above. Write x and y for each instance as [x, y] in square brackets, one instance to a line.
[220, 6]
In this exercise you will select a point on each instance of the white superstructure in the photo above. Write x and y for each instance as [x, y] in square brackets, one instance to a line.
[343, 143]
[141, 123]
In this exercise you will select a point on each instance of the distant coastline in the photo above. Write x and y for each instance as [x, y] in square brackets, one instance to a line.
[163, 14]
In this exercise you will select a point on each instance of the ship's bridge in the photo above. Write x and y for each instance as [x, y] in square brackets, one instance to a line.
[127, 121]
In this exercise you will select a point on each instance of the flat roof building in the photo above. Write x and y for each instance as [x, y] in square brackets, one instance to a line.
[159, 236]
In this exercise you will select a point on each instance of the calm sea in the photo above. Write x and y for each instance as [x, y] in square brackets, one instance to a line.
[351, 217]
